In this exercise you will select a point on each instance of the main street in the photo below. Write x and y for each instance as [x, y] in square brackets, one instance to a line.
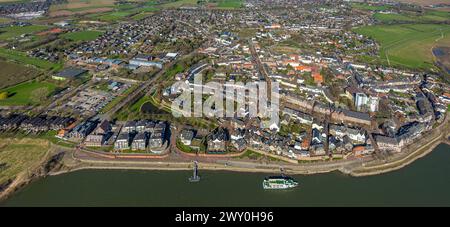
[262, 70]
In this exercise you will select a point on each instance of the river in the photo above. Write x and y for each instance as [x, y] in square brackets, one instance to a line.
[426, 182]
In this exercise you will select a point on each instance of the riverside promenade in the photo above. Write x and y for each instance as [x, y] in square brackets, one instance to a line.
[366, 166]
[77, 159]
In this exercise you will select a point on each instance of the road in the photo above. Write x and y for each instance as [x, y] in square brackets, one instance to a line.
[148, 85]
[358, 167]
[261, 68]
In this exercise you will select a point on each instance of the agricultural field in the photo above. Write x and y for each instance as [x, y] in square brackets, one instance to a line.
[83, 35]
[28, 93]
[125, 11]
[78, 5]
[428, 17]
[17, 31]
[392, 17]
[147, 9]
[114, 16]
[21, 157]
[365, 6]
[73, 7]
[12, 74]
[229, 4]
[408, 45]
[424, 2]
[179, 3]
[21, 57]
[437, 15]
[140, 16]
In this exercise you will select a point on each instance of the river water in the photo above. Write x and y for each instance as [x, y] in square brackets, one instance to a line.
[426, 182]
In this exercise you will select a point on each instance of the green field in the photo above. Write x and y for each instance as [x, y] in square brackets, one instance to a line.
[133, 111]
[127, 10]
[437, 15]
[83, 35]
[21, 57]
[16, 31]
[114, 16]
[125, 6]
[428, 17]
[408, 45]
[22, 94]
[229, 4]
[394, 17]
[147, 9]
[140, 16]
[179, 3]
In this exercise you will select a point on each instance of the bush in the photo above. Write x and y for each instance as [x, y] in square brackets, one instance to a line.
[4, 95]
[183, 147]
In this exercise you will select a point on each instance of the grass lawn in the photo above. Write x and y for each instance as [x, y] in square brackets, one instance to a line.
[249, 154]
[20, 156]
[184, 148]
[134, 110]
[21, 57]
[21, 93]
[83, 35]
[408, 45]
[16, 31]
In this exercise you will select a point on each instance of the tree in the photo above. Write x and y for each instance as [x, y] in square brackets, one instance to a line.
[4, 95]
[39, 94]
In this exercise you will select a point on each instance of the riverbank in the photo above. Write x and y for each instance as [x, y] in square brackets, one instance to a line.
[416, 150]
[22, 161]
[398, 164]
[421, 184]
[357, 168]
